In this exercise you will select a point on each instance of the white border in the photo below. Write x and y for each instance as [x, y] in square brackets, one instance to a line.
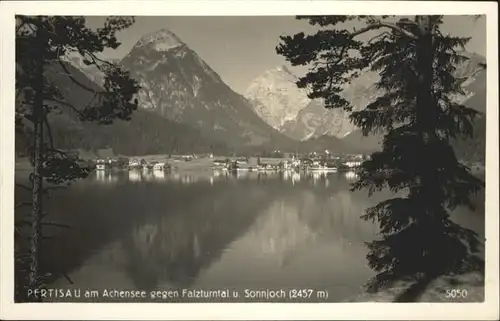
[256, 311]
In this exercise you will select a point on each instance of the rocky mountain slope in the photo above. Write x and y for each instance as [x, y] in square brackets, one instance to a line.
[315, 121]
[276, 100]
[145, 133]
[336, 122]
[178, 85]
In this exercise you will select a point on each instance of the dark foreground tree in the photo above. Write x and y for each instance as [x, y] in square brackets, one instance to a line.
[418, 113]
[41, 44]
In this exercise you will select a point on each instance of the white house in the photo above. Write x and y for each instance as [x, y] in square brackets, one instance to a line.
[134, 163]
[100, 164]
[296, 163]
[353, 163]
[159, 166]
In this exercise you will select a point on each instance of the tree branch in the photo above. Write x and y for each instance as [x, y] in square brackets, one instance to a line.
[74, 80]
[20, 26]
[22, 222]
[19, 90]
[46, 190]
[374, 25]
[57, 151]
[23, 186]
[65, 104]
[383, 35]
[56, 224]
[341, 55]
[68, 278]
[18, 231]
[54, 187]
[26, 222]
[49, 130]
[379, 25]
[51, 238]
[31, 27]
[95, 59]
[23, 204]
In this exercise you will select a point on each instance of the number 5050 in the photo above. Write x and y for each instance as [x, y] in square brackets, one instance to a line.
[456, 293]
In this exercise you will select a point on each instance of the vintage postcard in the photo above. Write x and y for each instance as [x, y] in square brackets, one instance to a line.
[249, 160]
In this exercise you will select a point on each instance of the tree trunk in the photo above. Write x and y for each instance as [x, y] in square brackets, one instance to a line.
[37, 190]
[426, 119]
[425, 108]
[425, 115]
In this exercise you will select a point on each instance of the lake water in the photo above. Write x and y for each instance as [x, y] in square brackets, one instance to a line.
[209, 230]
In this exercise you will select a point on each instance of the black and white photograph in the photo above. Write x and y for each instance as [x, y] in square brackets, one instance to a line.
[296, 158]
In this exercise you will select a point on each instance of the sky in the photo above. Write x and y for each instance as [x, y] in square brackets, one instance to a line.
[240, 49]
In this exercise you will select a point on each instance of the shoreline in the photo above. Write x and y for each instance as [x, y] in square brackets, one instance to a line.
[205, 164]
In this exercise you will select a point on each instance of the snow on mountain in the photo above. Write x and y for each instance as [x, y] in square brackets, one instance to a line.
[275, 96]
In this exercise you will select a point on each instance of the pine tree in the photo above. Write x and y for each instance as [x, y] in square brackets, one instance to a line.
[418, 115]
[41, 44]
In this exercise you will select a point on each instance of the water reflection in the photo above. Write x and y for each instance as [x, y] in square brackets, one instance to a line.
[216, 229]
[148, 175]
[317, 177]
[242, 174]
[292, 226]
[172, 250]
[351, 176]
[159, 174]
[286, 175]
[134, 176]
[105, 177]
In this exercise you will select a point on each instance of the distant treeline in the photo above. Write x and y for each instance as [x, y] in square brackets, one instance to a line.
[147, 133]
[144, 134]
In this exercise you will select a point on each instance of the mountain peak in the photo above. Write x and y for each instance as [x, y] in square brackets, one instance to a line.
[162, 40]
[276, 97]
[281, 69]
[279, 73]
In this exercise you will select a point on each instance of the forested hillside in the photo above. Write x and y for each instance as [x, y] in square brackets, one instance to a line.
[144, 133]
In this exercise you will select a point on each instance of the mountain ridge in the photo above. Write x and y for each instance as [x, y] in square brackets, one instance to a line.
[145, 133]
[275, 93]
[178, 85]
[314, 120]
